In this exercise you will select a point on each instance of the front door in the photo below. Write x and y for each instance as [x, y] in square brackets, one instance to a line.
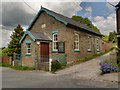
[44, 52]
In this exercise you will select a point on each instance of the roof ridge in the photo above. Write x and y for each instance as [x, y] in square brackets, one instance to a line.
[70, 19]
[66, 20]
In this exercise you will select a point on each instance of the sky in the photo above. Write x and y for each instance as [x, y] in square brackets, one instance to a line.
[17, 12]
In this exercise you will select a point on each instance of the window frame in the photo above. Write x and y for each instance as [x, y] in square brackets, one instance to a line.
[89, 43]
[76, 41]
[98, 48]
[28, 48]
[55, 41]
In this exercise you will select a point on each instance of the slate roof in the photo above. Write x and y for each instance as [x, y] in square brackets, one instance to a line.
[41, 36]
[73, 22]
[67, 21]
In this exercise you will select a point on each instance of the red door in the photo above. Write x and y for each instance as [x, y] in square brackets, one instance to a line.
[44, 52]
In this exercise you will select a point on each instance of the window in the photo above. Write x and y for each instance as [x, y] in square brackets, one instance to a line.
[89, 43]
[97, 43]
[28, 48]
[55, 42]
[76, 41]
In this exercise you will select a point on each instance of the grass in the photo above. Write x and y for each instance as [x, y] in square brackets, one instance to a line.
[94, 56]
[23, 68]
[86, 59]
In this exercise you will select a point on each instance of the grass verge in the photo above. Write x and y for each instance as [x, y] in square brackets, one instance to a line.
[23, 68]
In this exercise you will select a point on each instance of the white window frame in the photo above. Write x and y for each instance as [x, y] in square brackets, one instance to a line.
[28, 48]
[55, 41]
[98, 44]
[89, 43]
[76, 41]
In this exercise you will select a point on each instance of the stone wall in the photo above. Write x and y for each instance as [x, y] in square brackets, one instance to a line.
[27, 60]
[107, 45]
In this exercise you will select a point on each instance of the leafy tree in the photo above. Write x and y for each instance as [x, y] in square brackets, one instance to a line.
[4, 52]
[85, 21]
[2, 48]
[14, 46]
[105, 38]
[113, 37]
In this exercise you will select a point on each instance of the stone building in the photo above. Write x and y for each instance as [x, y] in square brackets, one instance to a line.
[52, 34]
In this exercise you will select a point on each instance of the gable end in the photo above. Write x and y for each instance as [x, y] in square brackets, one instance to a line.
[42, 9]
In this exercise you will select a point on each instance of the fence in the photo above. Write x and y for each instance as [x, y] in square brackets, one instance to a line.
[6, 59]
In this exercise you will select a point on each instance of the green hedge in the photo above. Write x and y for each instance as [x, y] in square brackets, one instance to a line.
[55, 66]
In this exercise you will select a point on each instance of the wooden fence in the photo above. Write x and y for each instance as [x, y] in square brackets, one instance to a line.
[6, 59]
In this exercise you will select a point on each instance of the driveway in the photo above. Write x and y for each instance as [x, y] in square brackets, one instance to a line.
[84, 75]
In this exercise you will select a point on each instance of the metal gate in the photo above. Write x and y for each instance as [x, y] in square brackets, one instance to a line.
[60, 58]
[43, 60]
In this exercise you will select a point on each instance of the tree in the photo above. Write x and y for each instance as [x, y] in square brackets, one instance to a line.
[113, 37]
[105, 38]
[14, 46]
[4, 52]
[85, 21]
[3, 48]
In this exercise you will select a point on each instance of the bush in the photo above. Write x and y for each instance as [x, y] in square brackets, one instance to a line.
[55, 66]
[108, 66]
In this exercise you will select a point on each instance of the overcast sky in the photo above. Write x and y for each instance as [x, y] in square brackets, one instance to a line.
[101, 14]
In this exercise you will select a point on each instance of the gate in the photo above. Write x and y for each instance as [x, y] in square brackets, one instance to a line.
[60, 58]
[17, 58]
[43, 61]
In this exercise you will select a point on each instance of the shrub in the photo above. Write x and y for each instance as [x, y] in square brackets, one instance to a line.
[108, 66]
[55, 66]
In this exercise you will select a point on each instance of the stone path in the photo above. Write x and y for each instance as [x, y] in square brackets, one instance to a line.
[90, 70]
